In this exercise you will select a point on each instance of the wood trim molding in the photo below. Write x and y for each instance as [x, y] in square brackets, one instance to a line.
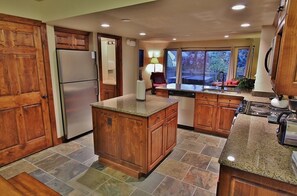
[10, 18]
[49, 87]
[72, 31]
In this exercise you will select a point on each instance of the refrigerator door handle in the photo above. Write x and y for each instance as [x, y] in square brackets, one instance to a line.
[96, 90]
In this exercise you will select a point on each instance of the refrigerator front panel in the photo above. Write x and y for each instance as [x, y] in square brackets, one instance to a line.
[77, 113]
[76, 65]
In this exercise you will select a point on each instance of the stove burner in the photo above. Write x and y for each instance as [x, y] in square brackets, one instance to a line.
[262, 109]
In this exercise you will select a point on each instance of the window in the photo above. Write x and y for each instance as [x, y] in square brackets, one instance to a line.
[171, 59]
[202, 67]
[242, 59]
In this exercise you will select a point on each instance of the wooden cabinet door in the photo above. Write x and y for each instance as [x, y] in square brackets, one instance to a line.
[155, 145]
[24, 112]
[106, 134]
[71, 39]
[132, 141]
[170, 133]
[205, 115]
[225, 115]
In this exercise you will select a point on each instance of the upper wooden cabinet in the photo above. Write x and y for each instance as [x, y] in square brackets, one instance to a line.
[285, 81]
[71, 39]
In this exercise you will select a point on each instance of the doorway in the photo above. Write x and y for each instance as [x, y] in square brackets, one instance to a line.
[110, 66]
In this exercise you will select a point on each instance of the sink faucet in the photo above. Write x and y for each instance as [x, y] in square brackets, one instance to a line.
[223, 79]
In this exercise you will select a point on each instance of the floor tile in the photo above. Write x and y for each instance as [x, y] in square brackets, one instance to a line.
[115, 174]
[173, 168]
[91, 161]
[67, 148]
[68, 170]
[89, 180]
[201, 192]
[59, 186]
[190, 146]
[214, 165]
[52, 162]
[82, 154]
[17, 168]
[187, 136]
[197, 160]
[39, 156]
[42, 176]
[139, 192]
[202, 178]
[212, 151]
[148, 184]
[209, 140]
[171, 186]
[177, 154]
[114, 187]
[222, 142]
[88, 142]
[76, 192]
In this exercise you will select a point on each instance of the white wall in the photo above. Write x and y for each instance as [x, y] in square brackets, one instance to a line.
[55, 80]
[130, 66]
[262, 83]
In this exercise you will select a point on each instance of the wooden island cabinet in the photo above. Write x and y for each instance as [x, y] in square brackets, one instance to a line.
[136, 137]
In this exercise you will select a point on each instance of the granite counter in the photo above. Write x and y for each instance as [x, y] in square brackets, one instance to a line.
[212, 90]
[252, 147]
[128, 104]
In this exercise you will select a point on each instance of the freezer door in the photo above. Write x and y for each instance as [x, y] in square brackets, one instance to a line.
[77, 114]
[76, 66]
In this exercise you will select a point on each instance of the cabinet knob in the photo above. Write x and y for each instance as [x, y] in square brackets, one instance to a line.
[44, 96]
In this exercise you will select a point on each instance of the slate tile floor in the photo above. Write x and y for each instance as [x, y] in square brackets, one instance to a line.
[72, 169]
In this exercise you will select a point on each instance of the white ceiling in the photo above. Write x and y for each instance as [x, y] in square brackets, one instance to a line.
[186, 20]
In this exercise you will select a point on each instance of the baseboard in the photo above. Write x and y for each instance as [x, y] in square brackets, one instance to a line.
[185, 127]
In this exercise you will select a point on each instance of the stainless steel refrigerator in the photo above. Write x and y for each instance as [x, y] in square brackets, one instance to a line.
[78, 78]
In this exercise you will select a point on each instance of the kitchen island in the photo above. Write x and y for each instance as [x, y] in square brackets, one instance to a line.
[134, 136]
[253, 162]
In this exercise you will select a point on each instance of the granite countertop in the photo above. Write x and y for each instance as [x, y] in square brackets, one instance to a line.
[212, 90]
[128, 104]
[252, 147]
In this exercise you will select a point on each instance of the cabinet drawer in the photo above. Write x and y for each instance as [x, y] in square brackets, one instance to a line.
[229, 99]
[155, 118]
[201, 102]
[206, 97]
[170, 110]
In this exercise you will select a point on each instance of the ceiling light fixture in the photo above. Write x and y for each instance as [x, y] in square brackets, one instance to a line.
[105, 25]
[142, 34]
[238, 7]
[226, 36]
[174, 39]
[245, 25]
[126, 20]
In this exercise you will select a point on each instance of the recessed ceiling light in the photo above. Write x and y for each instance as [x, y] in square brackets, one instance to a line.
[226, 36]
[245, 25]
[238, 7]
[142, 34]
[126, 20]
[105, 25]
[174, 39]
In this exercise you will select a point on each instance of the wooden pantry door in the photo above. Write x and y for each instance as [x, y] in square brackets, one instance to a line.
[25, 125]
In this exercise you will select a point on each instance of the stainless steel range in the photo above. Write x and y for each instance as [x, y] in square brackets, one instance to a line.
[264, 109]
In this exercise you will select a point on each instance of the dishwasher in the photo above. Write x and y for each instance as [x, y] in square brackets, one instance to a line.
[186, 105]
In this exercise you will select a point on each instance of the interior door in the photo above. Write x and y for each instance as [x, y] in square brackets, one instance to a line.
[24, 112]
[110, 66]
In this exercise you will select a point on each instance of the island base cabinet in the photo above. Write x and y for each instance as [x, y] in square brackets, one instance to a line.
[134, 144]
[233, 182]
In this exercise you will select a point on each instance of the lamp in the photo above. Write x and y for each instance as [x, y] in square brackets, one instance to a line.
[154, 61]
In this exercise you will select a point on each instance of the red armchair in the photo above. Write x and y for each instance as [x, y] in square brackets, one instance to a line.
[158, 79]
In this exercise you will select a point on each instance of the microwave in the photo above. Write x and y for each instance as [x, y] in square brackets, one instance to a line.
[272, 55]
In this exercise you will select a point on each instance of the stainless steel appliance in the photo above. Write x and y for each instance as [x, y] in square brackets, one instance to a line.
[287, 131]
[264, 109]
[78, 78]
[186, 105]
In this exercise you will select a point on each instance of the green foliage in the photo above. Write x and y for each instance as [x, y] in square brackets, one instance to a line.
[246, 83]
